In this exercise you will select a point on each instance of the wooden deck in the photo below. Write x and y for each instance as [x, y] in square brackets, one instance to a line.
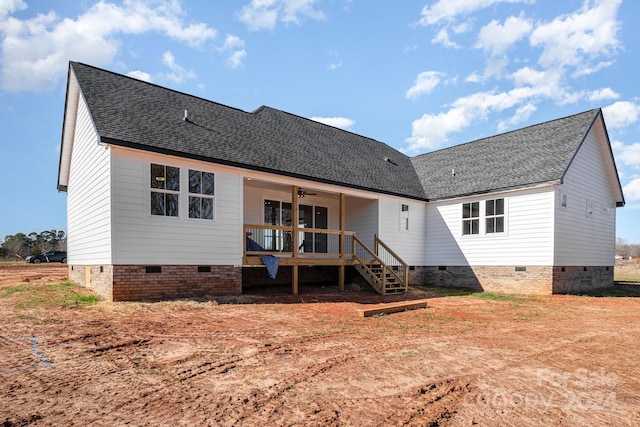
[381, 267]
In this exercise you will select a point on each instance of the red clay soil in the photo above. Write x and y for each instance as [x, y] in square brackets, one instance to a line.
[280, 360]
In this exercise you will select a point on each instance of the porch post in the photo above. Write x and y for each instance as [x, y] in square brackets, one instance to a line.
[294, 238]
[294, 220]
[342, 245]
[294, 289]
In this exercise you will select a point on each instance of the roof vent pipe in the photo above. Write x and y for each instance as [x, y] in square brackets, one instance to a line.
[186, 116]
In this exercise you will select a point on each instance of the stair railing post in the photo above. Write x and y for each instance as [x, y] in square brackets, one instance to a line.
[375, 244]
[384, 279]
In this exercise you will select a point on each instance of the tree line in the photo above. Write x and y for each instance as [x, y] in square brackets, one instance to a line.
[626, 250]
[22, 245]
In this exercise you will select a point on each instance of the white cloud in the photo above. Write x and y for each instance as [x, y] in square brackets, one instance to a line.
[602, 94]
[621, 114]
[36, 51]
[497, 39]
[234, 47]
[339, 122]
[448, 10]
[265, 14]
[7, 7]
[232, 42]
[522, 115]
[424, 83]
[473, 78]
[235, 59]
[178, 74]
[443, 38]
[431, 130]
[579, 39]
[627, 154]
[632, 190]
[140, 75]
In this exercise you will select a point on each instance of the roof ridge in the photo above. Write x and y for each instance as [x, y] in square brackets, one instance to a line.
[496, 136]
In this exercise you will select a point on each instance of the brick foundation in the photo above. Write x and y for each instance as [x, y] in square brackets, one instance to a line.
[99, 278]
[140, 282]
[530, 280]
[570, 280]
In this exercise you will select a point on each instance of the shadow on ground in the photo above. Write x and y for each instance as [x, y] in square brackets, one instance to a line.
[314, 293]
[619, 289]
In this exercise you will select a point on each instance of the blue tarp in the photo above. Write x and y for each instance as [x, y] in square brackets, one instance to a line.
[270, 262]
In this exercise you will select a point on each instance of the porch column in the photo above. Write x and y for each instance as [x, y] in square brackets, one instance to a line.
[294, 289]
[294, 238]
[343, 221]
[294, 220]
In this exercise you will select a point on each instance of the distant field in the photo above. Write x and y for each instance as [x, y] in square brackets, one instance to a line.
[627, 271]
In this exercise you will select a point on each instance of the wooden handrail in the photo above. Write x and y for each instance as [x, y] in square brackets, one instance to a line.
[280, 230]
[300, 230]
[405, 266]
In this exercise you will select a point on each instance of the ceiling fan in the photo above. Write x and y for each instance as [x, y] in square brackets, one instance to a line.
[302, 193]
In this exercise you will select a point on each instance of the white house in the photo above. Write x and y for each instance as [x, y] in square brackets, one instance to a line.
[170, 195]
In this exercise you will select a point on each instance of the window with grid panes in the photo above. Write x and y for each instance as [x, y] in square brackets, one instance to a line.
[471, 218]
[165, 190]
[201, 194]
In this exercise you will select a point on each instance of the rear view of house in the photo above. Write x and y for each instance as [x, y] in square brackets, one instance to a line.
[170, 195]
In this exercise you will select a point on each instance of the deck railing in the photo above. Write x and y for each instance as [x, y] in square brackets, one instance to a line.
[307, 242]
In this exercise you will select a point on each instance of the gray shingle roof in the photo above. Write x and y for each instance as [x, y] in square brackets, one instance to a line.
[137, 114]
[536, 154]
[133, 113]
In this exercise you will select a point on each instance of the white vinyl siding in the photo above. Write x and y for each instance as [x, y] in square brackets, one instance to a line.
[362, 218]
[409, 246]
[584, 239]
[527, 240]
[88, 196]
[142, 238]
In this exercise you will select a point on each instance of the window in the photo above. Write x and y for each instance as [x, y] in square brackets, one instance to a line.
[201, 194]
[404, 217]
[165, 189]
[563, 200]
[470, 218]
[494, 214]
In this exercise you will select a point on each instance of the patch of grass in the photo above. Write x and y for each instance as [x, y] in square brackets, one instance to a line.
[627, 277]
[452, 292]
[10, 290]
[64, 294]
[496, 297]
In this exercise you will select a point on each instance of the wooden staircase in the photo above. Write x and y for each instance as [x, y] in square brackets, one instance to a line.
[381, 268]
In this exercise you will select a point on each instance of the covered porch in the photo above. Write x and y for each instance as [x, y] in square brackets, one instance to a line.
[318, 235]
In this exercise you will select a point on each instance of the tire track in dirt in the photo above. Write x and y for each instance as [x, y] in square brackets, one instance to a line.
[261, 406]
[433, 404]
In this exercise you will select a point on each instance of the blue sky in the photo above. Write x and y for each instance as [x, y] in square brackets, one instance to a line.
[417, 75]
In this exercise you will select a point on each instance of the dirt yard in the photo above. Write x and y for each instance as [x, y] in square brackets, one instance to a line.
[310, 360]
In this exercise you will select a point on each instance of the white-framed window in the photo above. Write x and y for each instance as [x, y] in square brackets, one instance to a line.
[470, 218]
[201, 194]
[589, 208]
[404, 217]
[494, 216]
[165, 190]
